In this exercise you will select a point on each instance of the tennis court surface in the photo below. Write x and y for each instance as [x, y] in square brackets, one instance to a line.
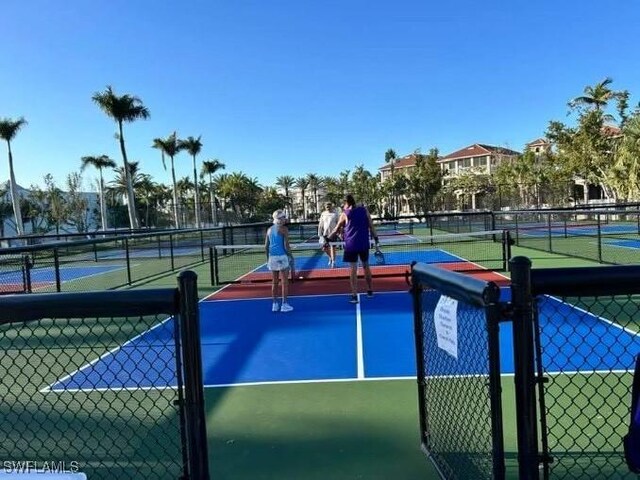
[326, 338]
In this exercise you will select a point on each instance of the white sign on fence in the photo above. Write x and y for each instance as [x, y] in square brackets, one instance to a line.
[445, 317]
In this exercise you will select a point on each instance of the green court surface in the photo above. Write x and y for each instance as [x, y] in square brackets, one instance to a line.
[333, 430]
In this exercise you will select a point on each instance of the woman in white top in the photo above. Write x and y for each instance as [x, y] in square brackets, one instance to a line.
[328, 221]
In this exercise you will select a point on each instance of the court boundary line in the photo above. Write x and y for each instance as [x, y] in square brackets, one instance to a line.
[610, 323]
[53, 282]
[340, 380]
[359, 341]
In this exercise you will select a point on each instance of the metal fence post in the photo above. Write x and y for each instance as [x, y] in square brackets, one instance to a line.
[212, 267]
[524, 369]
[127, 259]
[56, 268]
[173, 267]
[550, 234]
[202, 244]
[197, 451]
[493, 316]
[416, 293]
[599, 238]
[26, 265]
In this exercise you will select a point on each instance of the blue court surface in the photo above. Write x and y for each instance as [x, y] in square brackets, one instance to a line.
[44, 275]
[327, 339]
[624, 243]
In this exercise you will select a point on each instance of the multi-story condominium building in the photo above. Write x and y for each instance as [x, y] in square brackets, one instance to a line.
[479, 157]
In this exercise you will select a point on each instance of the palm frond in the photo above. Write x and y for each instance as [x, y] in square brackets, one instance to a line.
[9, 128]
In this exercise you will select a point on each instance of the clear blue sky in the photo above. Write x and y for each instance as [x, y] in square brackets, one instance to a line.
[293, 86]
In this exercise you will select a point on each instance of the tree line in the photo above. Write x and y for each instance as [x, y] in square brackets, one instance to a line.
[601, 147]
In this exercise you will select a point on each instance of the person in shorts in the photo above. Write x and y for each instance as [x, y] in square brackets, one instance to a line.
[328, 221]
[278, 251]
[357, 228]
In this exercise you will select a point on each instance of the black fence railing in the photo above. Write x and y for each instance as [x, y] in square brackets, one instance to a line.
[104, 383]
[572, 338]
[100, 264]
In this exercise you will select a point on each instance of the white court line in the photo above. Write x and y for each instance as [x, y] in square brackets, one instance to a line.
[359, 343]
[338, 380]
[611, 323]
[83, 277]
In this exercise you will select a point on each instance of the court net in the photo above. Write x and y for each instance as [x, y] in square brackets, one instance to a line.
[466, 252]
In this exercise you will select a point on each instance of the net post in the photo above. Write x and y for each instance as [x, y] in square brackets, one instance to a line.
[599, 237]
[193, 382]
[517, 230]
[524, 373]
[416, 293]
[127, 259]
[95, 252]
[159, 246]
[56, 269]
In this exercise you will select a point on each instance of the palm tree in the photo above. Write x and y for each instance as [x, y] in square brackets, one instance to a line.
[390, 158]
[147, 188]
[315, 182]
[118, 187]
[170, 146]
[100, 162]
[286, 182]
[194, 146]
[125, 108]
[8, 130]
[598, 96]
[209, 167]
[302, 184]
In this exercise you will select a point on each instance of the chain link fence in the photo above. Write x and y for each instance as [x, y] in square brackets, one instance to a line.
[101, 383]
[100, 264]
[569, 336]
[604, 236]
[458, 373]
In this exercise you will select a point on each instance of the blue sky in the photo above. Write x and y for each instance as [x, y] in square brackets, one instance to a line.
[292, 86]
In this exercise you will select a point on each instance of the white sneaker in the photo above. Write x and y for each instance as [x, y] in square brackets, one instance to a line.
[286, 307]
[275, 307]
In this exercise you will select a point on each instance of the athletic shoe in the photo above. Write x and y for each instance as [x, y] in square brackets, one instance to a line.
[369, 293]
[275, 307]
[286, 307]
[354, 299]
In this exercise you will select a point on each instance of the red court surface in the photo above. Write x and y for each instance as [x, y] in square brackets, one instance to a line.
[335, 286]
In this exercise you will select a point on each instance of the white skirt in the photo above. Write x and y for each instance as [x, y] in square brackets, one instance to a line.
[276, 263]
